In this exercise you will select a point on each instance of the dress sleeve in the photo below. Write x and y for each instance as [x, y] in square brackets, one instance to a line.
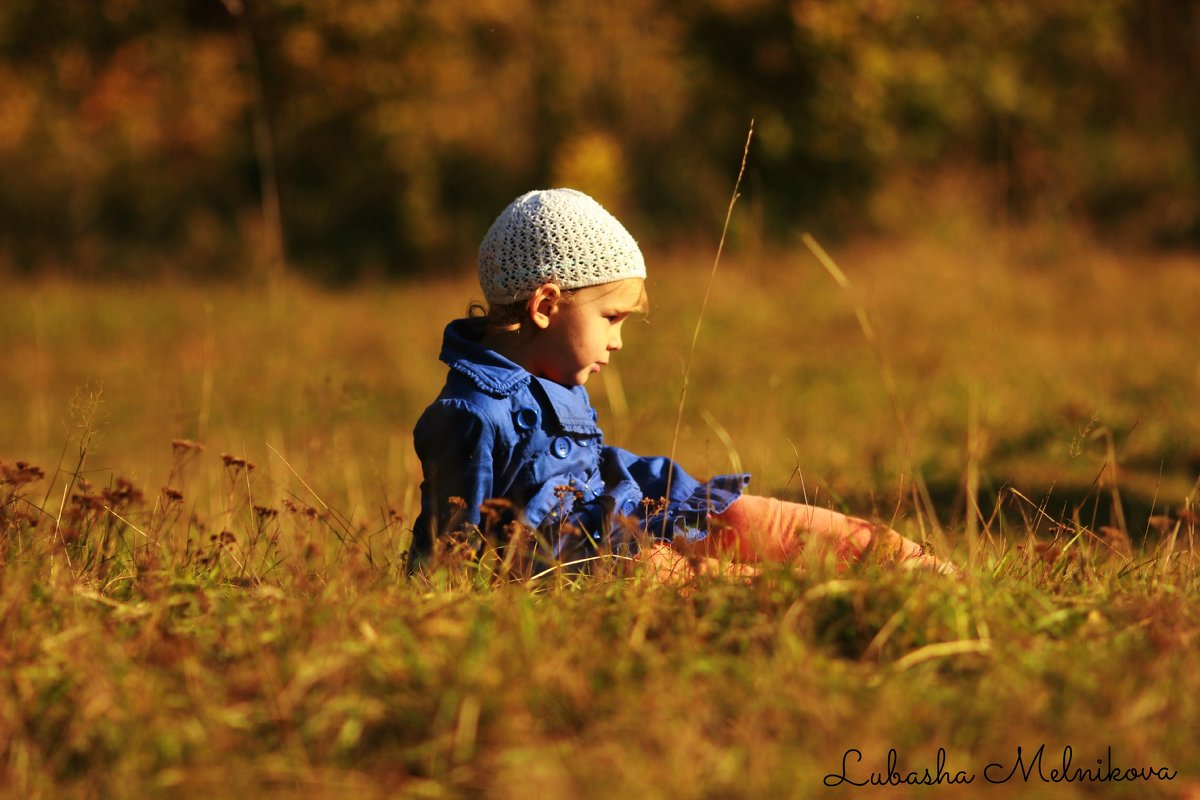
[678, 504]
[454, 441]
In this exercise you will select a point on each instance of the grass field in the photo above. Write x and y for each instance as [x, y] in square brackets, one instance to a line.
[201, 590]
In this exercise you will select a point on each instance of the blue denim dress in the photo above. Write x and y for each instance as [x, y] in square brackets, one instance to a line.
[497, 431]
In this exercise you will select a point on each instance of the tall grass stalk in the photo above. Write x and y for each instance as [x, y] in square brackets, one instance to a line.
[920, 488]
[974, 448]
[687, 364]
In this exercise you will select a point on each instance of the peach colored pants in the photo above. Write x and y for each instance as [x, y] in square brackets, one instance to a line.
[763, 529]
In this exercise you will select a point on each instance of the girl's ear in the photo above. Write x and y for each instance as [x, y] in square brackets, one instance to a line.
[544, 303]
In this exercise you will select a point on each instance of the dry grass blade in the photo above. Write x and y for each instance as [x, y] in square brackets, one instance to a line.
[297, 474]
[687, 366]
[579, 561]
[885, 371]
[1082, 528]
[133, 527]
[942, 650]
[864, 321]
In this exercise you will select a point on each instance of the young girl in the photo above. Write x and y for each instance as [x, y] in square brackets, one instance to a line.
[512, 439]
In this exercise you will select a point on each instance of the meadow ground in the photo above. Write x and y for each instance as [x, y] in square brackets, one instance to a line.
[206, 491]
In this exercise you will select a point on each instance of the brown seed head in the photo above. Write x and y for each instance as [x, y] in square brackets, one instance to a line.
[123, 494]
[20, 473]
[235, 463]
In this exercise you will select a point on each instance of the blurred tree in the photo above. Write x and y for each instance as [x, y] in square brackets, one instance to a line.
[120, 135]
[399, 127]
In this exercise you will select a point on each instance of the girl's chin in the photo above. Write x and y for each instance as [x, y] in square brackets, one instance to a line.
[568, 381]
[577, 379]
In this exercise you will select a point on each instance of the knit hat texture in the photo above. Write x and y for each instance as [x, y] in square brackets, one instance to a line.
[559, 235]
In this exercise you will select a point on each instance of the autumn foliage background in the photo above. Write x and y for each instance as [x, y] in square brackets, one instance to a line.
[140, 137]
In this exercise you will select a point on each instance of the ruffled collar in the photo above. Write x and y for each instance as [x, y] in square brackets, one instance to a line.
[487, 369]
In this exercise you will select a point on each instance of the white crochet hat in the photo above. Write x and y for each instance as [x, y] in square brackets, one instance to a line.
[559, 235]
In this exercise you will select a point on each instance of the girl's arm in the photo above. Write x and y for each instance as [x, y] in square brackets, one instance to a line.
[454, 442]
[678, 503]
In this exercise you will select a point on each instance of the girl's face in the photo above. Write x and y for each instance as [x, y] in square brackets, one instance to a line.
[582, 331]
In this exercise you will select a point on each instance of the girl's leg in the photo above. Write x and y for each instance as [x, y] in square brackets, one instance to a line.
[756, 529]
[671, 565]
[667, 564]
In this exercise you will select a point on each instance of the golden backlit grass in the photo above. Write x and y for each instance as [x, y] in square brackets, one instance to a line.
[202, 591]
